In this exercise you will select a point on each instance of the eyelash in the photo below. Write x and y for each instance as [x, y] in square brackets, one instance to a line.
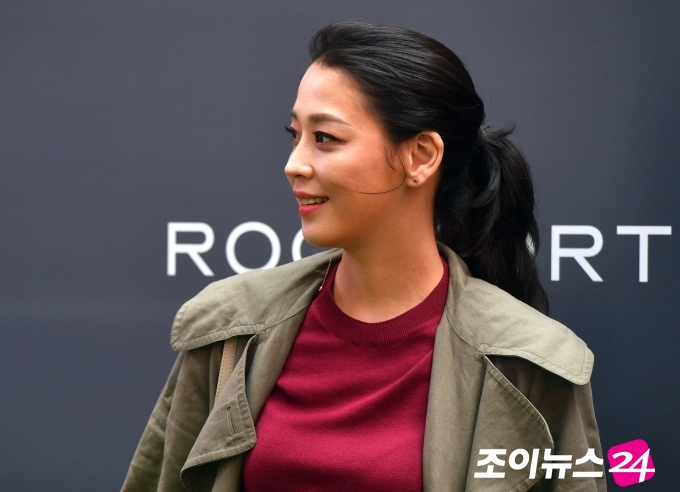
[294, 134]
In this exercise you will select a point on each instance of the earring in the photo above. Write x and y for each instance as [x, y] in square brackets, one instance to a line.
[415, 180]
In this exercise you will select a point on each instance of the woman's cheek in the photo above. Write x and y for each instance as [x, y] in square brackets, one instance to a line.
[353, 167]
[338, 176]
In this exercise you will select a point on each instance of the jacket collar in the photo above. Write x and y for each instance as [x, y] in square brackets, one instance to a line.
[482, 315]
[249, 303]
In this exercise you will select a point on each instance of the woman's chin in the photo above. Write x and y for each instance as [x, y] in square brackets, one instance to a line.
[321, 237]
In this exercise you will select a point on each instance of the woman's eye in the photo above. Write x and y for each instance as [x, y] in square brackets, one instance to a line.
[321, 137]
[293, 133]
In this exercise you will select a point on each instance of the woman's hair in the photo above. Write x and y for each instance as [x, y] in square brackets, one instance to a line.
[484, 203]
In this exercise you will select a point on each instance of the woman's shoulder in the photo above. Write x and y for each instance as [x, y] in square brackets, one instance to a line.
[247, 302]
[496, 323]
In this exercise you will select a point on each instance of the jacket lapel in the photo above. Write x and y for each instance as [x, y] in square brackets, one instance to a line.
[472, 406]
[229, 430]
[452, 406]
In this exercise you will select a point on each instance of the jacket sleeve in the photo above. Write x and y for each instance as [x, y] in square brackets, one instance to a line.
[174, 425]
[569, 412]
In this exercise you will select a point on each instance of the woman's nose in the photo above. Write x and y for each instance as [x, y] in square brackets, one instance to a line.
[299, 163]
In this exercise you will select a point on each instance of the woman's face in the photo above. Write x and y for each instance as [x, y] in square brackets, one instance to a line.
[339, 167]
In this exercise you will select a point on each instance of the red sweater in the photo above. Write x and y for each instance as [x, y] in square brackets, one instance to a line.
[348, 410]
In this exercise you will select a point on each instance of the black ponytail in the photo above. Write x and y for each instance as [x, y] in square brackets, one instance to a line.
[484, 204]
[485, 215]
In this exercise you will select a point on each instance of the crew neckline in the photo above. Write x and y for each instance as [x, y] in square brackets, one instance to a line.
[384, 332]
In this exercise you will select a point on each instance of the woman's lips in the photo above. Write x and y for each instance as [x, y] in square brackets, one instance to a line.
[308, 203]
[306, 209]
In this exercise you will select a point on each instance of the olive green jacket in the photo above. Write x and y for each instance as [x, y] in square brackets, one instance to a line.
[503, 376]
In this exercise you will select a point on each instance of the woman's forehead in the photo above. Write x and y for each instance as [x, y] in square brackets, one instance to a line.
[330, 91]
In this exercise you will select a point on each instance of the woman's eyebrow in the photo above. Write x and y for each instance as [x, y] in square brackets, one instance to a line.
[321, 117]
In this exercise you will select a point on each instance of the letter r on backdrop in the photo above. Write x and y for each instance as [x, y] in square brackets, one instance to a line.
[194, 250]
[579, 254]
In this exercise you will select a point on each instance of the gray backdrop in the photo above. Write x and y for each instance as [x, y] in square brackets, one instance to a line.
[119, 117]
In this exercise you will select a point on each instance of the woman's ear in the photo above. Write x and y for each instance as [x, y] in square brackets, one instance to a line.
[424, 155]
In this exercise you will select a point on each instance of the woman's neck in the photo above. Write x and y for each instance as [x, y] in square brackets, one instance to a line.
[382, 280]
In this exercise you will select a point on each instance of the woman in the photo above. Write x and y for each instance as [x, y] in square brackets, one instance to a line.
[397, 361]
